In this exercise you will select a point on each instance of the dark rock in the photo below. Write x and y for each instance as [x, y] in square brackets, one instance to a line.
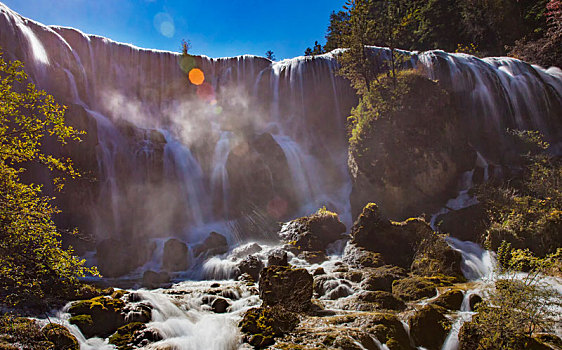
[176, 256]
[451, 299]
[413, 288]
[100, 316]
[395, 241]
[152, 279]
[435, 257]
[60, 336]
[215, 285]
[360, 257]
[382, 300]
[473, 301]
[134, 335]
[387, 328]
[466, 224]
[277, 257]
[264, 323]
[429, 327]
[251, 265]
[314, 232]
[214, 244]
[319, 271]
[381, 278]
[341, 291]
[283, 285]
[117, 258]
[220, 305]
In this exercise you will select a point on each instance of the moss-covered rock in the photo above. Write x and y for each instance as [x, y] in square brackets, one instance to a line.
[263, 324]
[388, 329]
[60, 336]
[360, 257]
[100, 316]
[414, 288]
[20, 333]
[381, 300]
[397, 242]
[429, 327]
[451, 299]
[381, 278]
[286, 286]
[471, 337]
[435, 257]
[133, 335]
[314, 232]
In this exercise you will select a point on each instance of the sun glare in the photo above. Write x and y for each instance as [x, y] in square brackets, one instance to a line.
[196, 76]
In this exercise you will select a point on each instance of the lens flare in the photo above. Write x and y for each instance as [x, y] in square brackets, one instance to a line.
[187, 63]
[164, 24]
[196, 76]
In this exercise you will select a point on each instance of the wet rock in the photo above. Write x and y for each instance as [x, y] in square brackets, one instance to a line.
[387, 328]
[429, 327]
[277, 257]
[381, 278]
[451, 299]
[176, 256]
[314, 232]
[263, 324]
[360, 257]
[100, 316]
[245, 250]
[152, 279]
[220, 305]
[395, 241]
[382, 300]
[134, 334]
[252, 266]
[283, 285]
[466, 224]
[138, 312]
[117, 258]
[311, 257]
[60, 336]
[214, 244]
[473, 301]
[319, 271]
[341, 291]
[435, 257]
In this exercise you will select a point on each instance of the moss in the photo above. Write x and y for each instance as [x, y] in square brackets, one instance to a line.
[125, 336]
[101, 303]
[82, 321]
[118, 294]
[451, 299]
[414, 288]
[22, 333]
[262, 325]
[61, 337]
[429, 327]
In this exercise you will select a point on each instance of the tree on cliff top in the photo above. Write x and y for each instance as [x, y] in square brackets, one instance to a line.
[33, 265]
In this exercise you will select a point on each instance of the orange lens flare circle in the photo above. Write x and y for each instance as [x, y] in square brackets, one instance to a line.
[196, 76]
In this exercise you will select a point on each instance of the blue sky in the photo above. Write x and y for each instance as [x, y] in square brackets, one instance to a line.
[216, 28]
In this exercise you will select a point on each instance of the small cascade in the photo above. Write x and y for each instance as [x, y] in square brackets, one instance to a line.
[219, 174]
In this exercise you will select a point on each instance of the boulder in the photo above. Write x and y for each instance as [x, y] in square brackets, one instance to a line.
[387, 328]
[214, 244]
[117, 258]
[134, 334]
[451, 299]
[175, 256]
[429, 327]
[152, 279]
[60, 336]
[381, 300]
[314, 232]
[252, 266]
[466, 224]
[313, 257]
[100, 316]
[220, 305]
[397, 242]
[381, 278]
[138, 312]
[413, 288]
[435, 257]
[360, 257]
[277, 257]
[286, 286]
[262, 324]
[473, 301]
